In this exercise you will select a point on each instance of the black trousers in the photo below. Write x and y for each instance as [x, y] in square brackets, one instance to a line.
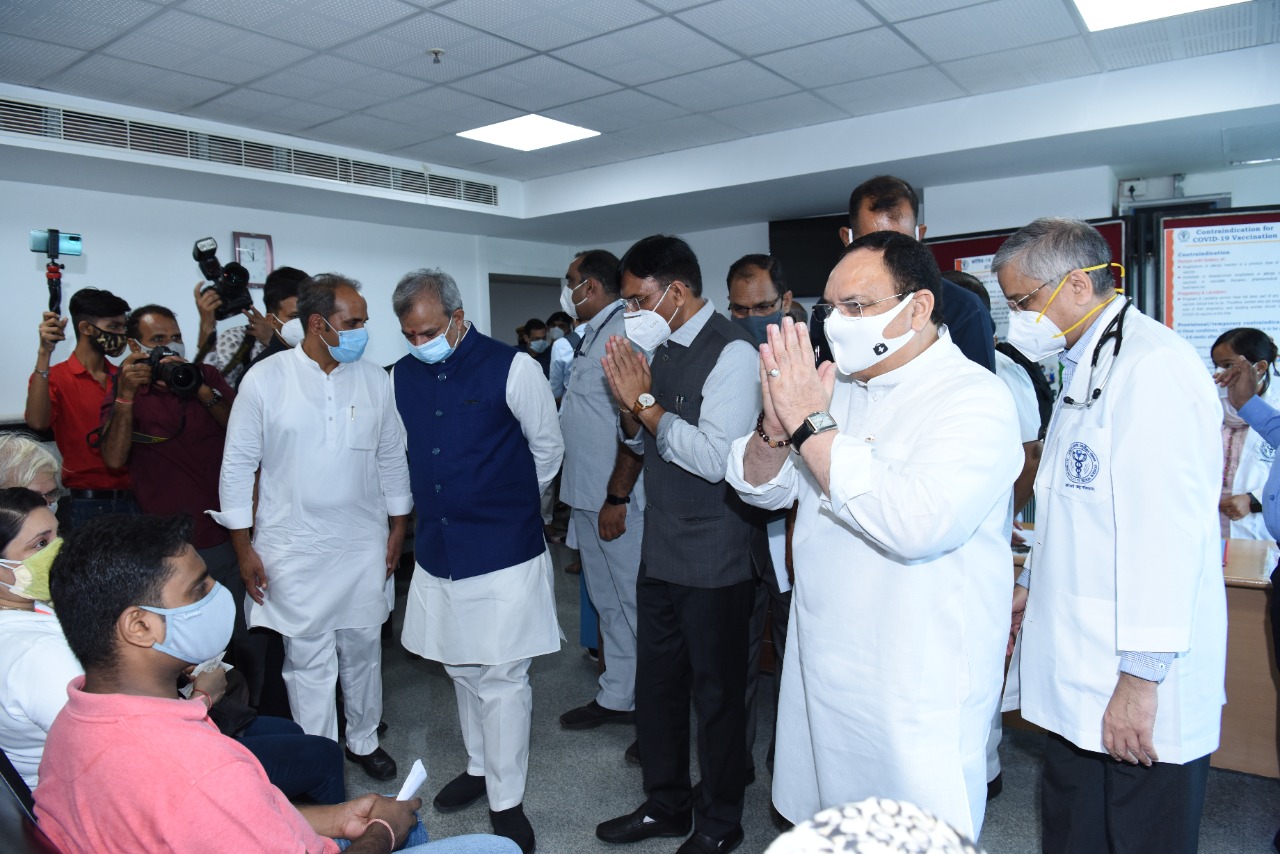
[1274, 606]
[1092, 804]
[691, 644]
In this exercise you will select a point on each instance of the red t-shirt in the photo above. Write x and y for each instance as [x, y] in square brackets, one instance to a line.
[74, 399]
[122, 773]
[179, 474]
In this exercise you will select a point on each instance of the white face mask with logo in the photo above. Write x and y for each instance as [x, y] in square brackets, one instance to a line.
[647, 329]
[858, 343]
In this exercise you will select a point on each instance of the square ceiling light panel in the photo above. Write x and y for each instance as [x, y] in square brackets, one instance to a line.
[528, 133]
[1107, 14]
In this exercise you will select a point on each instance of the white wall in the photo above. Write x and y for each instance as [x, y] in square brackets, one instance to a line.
[1249, 186]
[140, 248]
[1014, 202]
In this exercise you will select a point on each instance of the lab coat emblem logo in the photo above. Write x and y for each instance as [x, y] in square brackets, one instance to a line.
[1082, 463]
[880, 349]
[1267, 453]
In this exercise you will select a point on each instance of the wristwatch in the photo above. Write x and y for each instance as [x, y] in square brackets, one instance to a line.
[818, 422]
[617, 500]
[642, 403]
[215, 396]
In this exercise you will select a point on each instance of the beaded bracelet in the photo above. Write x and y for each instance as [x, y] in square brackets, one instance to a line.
[772, 443]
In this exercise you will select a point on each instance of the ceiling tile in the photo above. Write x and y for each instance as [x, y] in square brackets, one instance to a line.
[403, 47]
[1024, 66]
[892, 91]
[444, 110]
[1196, 34]
[318, 25]
[723, 86]
[548, 24]
[27, 62]
[83, 24]
[852, 57]
[680, 133]
[753, 27]
[111, 79]
[241, 105]
[674, 5]
[991, 27]
[790, 111]
[615, 111]
[901, 10]
[297, 117]
[181, 42]
[368, 132]
[536, 84]
[647, 52]
[452, 151]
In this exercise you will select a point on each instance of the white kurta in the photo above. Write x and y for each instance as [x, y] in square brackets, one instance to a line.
[1127, 552]
[332, 455]
[509, 614]
[35, 666]
[1018, 381]
[900, 611]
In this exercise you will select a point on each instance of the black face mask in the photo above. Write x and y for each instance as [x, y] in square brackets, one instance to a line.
[108, 343]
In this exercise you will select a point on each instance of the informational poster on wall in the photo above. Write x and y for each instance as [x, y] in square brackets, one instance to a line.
[979, 266]
[1221, 272]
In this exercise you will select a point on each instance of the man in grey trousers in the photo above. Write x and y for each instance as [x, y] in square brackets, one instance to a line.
[601, 482]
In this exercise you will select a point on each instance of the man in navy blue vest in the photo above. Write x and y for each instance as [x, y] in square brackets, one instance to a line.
[682, 407]
[484, 440]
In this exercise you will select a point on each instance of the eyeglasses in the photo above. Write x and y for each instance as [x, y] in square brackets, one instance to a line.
[633, 304]
[760, 309]
[1015, 305]
[54, 494]
[849, 308]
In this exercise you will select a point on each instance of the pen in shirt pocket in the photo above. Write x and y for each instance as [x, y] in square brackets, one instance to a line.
[679, 403]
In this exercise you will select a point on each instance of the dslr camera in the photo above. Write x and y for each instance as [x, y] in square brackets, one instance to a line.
[230, 282]
[183, 378]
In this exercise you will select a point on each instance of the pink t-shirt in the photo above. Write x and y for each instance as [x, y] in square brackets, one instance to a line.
[129, 774]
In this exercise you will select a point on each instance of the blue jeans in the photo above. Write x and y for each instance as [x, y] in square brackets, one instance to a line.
[84, 509]
[297, 764]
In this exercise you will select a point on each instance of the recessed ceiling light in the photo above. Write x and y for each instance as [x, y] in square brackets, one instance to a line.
[529, 133]
[1106, 14]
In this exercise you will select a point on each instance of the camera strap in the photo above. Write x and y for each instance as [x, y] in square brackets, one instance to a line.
[241, 354]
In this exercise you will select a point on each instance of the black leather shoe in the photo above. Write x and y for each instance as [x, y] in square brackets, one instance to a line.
[633, 753]
[995, 787]
[513, 824]
[462, 791]
[700, 843]
[377, 765]
[592, 715]
[382, 728]
[641, 825]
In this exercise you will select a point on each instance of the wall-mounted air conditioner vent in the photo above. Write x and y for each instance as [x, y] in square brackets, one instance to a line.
[144, 137]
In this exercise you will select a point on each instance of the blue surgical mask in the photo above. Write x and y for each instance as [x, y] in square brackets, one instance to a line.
[436, 350]
[199, 631]
[540, 345]
[351, 344]
[757, 327]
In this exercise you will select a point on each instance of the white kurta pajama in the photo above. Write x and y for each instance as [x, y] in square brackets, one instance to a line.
[903, 580]
[332, 455]
[484, 629]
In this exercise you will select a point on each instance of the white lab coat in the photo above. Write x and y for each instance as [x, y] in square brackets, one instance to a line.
[1127, 553]
[1256, 458]
[903, 581]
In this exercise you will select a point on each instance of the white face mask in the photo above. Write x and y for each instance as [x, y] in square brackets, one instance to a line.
[647, 329]
[566, 300]
[1035, 335]
[292, 332]
[857, 343]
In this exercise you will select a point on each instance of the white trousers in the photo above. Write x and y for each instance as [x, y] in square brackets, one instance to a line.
[495, 706]
[610, 569]
[993, 746]
[312, 666]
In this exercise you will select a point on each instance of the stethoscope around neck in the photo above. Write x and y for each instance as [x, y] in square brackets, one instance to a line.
[1113, 332]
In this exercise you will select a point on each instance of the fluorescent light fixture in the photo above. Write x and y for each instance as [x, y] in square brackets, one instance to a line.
[529, 133]
[1106, 14]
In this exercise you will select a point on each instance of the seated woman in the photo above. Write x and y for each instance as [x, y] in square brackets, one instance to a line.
[1247, 457]
[25, 462]
[36, 664]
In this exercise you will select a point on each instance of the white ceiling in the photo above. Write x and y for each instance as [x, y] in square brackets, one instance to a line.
[653, 76]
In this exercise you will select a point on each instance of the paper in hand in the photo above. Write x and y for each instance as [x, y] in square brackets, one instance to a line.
[417, 776]
[187, 690]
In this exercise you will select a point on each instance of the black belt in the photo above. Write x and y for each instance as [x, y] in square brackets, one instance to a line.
[101, 494]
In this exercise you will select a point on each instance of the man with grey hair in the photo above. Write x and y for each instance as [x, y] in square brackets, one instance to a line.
[316, 430]
[484, 441]
[1121, 652]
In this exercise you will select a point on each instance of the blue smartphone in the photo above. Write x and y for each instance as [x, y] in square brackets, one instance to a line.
[68, 243]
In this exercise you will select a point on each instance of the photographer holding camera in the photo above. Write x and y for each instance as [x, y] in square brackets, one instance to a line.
[167, 419]
[64, 398]
[234, 351]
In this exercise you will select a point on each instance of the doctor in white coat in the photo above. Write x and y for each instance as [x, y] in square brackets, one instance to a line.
[907, 453]
[1248, 456]
[1122, 650]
